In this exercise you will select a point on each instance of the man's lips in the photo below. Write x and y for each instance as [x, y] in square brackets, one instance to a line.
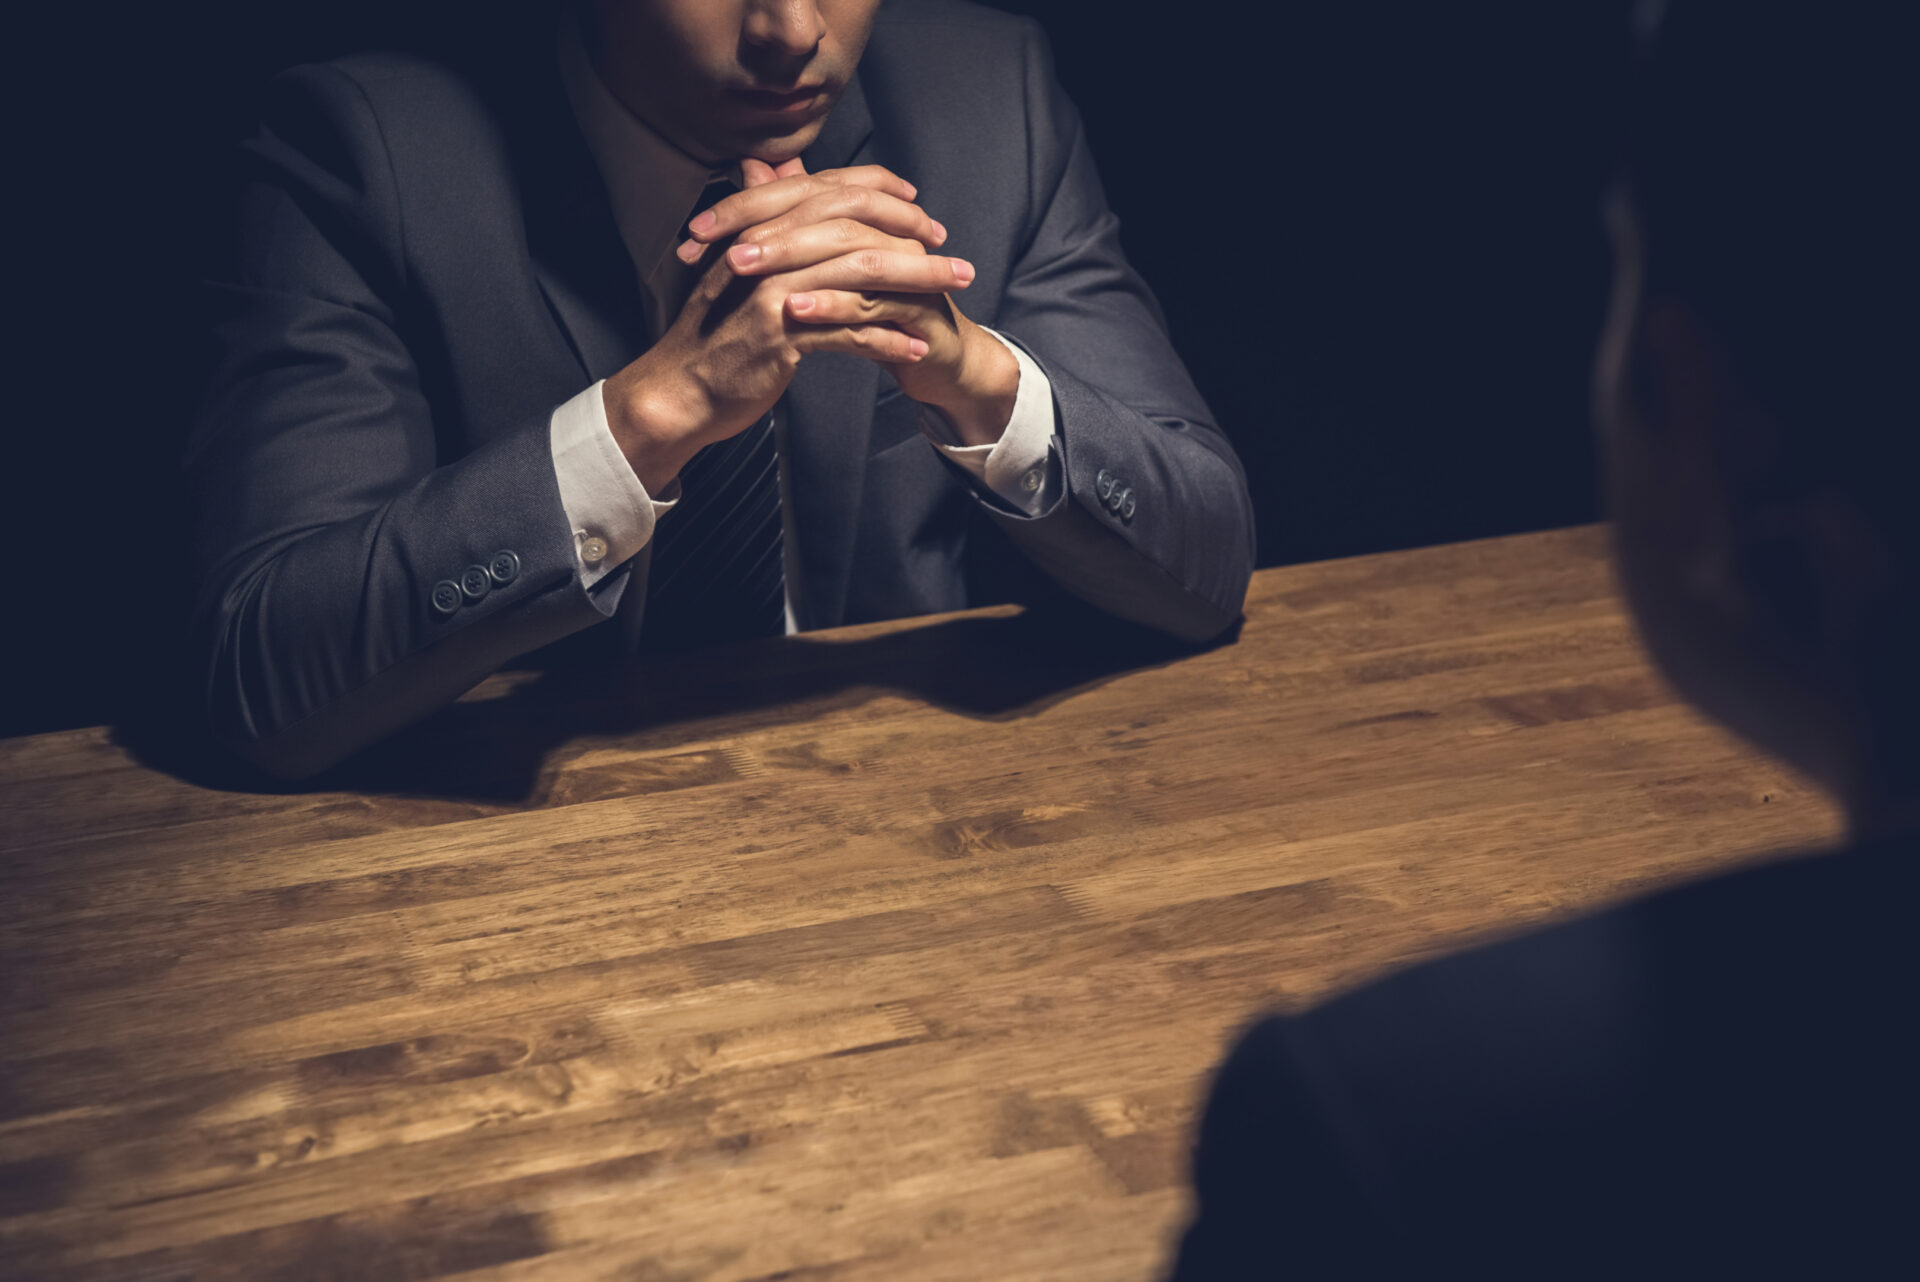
[792, 101]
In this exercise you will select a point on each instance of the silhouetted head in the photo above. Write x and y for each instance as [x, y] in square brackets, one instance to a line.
[722, 79]
[1754, 386]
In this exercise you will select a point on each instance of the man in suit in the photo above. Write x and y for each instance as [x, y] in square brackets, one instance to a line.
[483, 386]
[1717, 1081]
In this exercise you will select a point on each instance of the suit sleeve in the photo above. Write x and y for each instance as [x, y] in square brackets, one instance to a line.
[1154, 523]
[333, 511]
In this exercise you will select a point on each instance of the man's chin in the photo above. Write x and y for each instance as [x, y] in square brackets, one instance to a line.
[780, 144]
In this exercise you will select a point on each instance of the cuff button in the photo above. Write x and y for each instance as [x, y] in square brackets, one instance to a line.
[1031, 481]
[1103, 484]
[1126, 505]
[593, 550]
[504, 568]
[475, 582]
[446, 597]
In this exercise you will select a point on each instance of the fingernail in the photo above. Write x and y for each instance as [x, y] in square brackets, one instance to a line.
[744, 255]
[703, 221]
[939, 232]
[917, 346]
[913, 192]
[962, 269]
[689, 251]
[801, 302]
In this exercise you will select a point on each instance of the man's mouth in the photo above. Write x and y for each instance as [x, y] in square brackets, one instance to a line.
[792, 102]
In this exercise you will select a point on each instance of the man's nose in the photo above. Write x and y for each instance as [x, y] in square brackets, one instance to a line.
[789, 27]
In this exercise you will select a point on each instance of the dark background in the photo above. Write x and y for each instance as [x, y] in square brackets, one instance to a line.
[1373, 225]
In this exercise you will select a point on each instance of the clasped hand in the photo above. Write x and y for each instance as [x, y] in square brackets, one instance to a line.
[837, 261]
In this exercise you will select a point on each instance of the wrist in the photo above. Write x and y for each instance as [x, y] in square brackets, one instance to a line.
[656, 421]
[979, 402]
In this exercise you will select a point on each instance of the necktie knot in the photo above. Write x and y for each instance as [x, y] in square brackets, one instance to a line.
[718, 188]
[671, 281]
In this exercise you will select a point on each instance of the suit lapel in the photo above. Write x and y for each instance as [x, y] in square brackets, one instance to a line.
[594, 299]
[830, 417]
[579, 260]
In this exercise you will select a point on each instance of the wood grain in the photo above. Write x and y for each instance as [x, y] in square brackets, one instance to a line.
[901, 951]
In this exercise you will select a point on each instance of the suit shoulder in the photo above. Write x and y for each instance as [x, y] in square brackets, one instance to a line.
[949, 33]
[931, 64]
[397, 113]
[959, 14]
[1634, 998]
[384, 80]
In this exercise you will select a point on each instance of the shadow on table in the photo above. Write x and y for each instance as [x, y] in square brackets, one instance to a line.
[1000, 667]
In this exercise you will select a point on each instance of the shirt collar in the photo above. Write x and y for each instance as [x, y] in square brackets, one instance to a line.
[651, 183]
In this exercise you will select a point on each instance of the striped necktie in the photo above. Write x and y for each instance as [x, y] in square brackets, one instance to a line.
[717, 574]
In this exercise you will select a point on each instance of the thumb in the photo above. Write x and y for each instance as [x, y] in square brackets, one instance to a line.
[754, 172]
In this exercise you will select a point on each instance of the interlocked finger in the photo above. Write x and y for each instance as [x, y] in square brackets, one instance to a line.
[875, 342]
[774, 199]
[883, 271]
[845, 307]
[754, 172]
[814, 243]
[878, 210]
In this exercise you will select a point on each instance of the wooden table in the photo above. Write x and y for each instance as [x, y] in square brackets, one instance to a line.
[901, 951]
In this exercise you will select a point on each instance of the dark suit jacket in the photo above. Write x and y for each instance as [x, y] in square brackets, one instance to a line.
[1718, 1081]
[426, 266]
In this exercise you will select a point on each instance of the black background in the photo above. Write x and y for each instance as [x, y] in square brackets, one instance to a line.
[1373, 225]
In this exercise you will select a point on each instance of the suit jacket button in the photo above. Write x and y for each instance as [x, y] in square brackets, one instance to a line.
[1103, 484]
[445, 597]
[504, 568]
[1126, 505]
[475, 582]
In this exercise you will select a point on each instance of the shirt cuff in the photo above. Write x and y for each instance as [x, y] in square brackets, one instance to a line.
[609, 511]
[1020, 467]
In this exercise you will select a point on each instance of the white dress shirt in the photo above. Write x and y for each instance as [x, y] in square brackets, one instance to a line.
[652, 186]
